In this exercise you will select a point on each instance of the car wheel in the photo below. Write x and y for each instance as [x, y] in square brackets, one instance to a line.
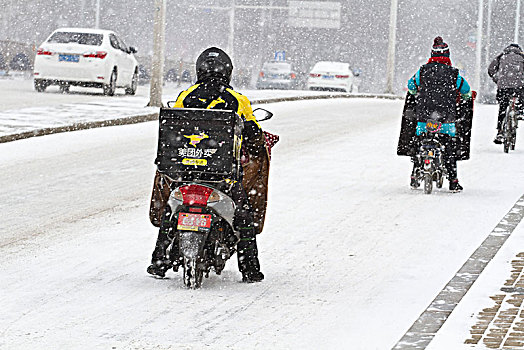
[40, 85]
[109, 89]
[64, 88]
[134, 84]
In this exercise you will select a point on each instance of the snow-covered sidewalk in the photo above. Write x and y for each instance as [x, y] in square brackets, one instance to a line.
[491, 315]
[68, 114]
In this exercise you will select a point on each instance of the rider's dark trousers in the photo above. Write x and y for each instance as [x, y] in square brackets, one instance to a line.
[247, 250]
[503, 98]
[449, 156]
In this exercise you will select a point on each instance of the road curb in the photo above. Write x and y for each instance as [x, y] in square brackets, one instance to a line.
[154, 116]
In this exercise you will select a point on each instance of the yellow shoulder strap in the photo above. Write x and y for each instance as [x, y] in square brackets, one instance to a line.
[180, 100]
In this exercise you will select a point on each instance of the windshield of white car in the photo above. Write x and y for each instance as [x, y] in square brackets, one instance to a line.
[276, 67]
[331, 66]
[78, 38]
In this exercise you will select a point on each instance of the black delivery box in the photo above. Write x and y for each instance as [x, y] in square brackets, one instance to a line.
[199, 144]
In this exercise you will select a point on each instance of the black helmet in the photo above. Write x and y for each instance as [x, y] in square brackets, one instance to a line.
[214, 62]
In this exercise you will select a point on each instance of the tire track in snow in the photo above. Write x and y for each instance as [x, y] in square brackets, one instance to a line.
[211, 320]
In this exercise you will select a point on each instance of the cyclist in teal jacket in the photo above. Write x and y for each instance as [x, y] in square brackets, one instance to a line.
[435, 86]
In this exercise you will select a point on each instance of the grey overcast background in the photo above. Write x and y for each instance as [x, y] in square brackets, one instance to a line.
[361, 40]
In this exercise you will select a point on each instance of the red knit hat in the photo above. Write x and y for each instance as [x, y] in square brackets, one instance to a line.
[440, 48]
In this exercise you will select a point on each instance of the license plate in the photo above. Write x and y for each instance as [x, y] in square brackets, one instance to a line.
[328, 77]
[433, 126]
[194, 222]
[68, 58]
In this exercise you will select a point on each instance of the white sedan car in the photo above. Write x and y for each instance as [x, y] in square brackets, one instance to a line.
[332, 76]
[86, 57]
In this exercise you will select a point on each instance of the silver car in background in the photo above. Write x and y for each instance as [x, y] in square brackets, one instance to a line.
[277, 75]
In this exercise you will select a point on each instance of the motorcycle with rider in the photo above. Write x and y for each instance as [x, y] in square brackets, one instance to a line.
[436, 121]
[209, 195]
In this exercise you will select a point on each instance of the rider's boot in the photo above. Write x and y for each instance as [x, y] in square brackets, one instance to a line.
[159, 262]
[157, 270]
[499, 138]
[413, 180]
[454, 185]
[247, 254]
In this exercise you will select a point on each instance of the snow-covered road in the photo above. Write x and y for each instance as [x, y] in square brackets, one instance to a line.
[351, 254]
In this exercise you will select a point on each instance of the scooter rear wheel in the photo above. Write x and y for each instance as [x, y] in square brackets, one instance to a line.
[428, 183]
[192, 274]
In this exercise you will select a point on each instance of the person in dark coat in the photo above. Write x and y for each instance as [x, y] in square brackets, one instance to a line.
[507, 71]
[436, 86]
[212, 91]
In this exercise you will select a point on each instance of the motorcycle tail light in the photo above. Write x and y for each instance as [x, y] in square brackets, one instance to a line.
[97, 54]
[195, 195]
[427, 161]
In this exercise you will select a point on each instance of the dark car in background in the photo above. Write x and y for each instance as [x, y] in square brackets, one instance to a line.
[143, 75]
[277, 75]
[3, 65]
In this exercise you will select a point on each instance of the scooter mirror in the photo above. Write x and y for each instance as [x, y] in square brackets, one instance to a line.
[262, 114]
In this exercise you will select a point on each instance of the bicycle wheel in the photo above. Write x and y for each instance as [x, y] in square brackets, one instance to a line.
[506, 145]
[515, 126]
[507, 132]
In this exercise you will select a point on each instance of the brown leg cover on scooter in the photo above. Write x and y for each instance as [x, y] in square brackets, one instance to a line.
[159, 198]
[255, 183]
